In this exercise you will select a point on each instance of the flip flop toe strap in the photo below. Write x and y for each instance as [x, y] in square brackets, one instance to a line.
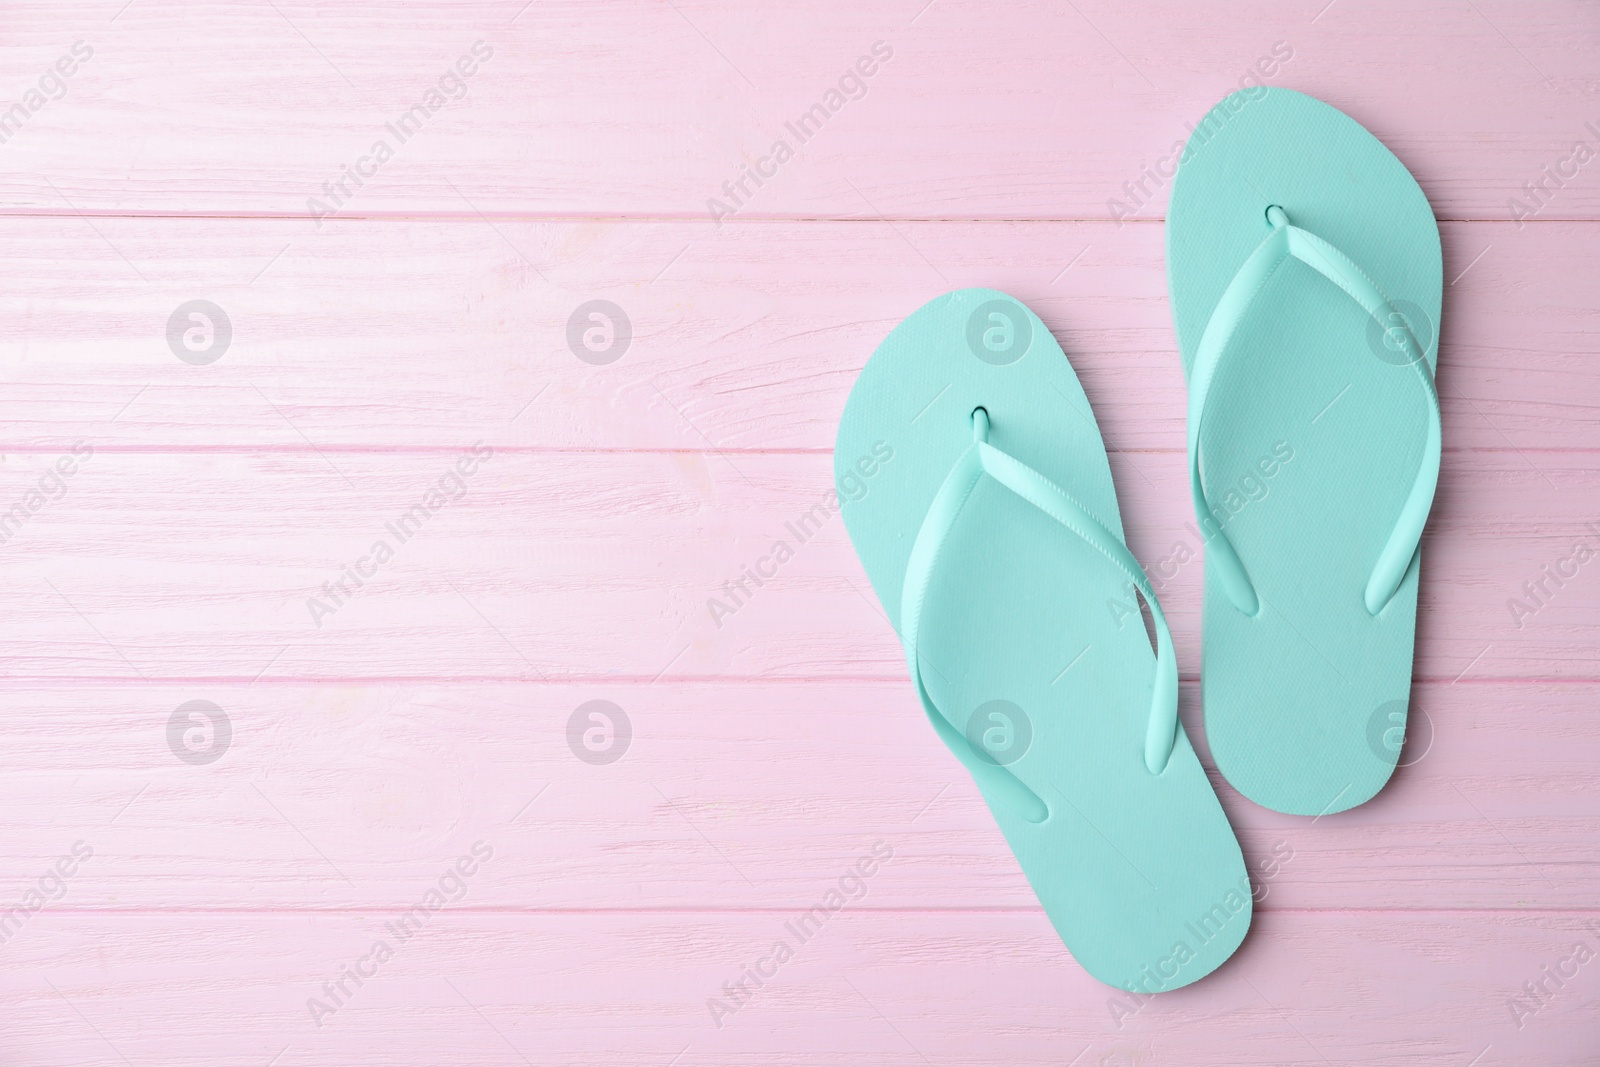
[1286, 241]
[981, 458]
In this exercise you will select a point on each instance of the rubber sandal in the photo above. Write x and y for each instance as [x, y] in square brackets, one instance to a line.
[1304, 266]
[976, 490]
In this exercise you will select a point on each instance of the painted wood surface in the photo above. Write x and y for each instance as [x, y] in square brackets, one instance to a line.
[985, 110]
[872, 986]
[562, 565]
[229, 860]
[331, 795]
[436, 333]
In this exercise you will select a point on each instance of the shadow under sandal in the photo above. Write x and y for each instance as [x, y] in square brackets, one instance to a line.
[1304, 266]
[976, 490]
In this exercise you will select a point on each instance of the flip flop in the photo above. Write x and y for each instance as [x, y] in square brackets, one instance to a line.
[977, 492]
[1304, 266]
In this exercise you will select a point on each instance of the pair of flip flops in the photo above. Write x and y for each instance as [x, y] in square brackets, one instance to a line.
[1305, 277]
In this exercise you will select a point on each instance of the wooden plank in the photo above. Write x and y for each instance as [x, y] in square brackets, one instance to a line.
[596, 565]
[431, 334]
[645, 108]
[728, 796]
[872, 987]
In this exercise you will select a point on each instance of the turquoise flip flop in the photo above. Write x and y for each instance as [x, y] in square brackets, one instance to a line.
[1305, 274]
[977, 492]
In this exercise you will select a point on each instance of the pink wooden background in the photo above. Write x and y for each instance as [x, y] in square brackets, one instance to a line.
[770, 753]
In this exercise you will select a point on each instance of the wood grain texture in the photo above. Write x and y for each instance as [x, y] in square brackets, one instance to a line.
[986, 110]
[563, 565]
[430, 711]
[871, 987]
[432, 334]
[341, 795]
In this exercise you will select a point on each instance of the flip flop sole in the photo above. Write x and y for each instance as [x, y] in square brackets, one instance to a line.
[1313, 435]
[1024, 650]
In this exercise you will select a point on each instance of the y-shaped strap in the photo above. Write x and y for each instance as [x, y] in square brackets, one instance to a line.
[979, 459]
[1284, 241]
